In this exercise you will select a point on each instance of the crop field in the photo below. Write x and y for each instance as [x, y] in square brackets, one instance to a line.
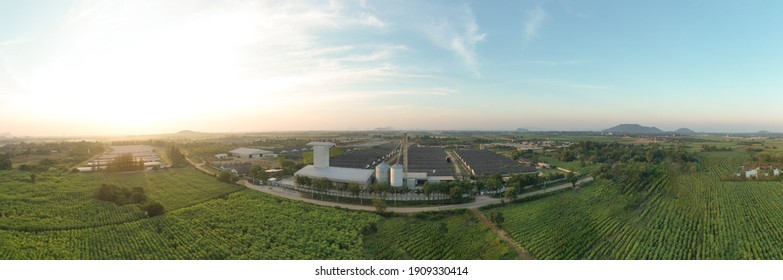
[67, 201]
[456, 236]
[245, 225]
[691, 216]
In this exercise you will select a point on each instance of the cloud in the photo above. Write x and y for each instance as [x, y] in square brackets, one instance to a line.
[557, 62]
[12, 42]
[535, 18]
[459, 34]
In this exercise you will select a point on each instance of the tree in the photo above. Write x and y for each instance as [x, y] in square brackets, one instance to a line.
[355, 189]
[511, 193]
[227, 177]
[379, 204]
[176, 157]
[496, 217]
[5, 162]
[382, 189]
[258, 173]
[572, 178]
[125, 162]
[456, 193]
[321, 185]
[153, 209]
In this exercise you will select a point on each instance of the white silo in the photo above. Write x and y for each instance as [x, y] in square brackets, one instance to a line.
[397, 175]
[321, 153]
[382, 173]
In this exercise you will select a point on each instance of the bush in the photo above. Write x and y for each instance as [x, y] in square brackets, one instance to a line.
[227, 177]
[120, 195]
[153, 209]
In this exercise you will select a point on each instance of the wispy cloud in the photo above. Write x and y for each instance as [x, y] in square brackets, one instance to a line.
[12, 42]
[557, 62]
[535, 19]
[459, 34]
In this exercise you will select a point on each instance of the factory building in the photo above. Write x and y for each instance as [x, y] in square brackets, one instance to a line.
[321, 169]
[250, 153]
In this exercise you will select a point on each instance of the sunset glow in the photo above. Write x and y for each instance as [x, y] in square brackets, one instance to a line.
[139, 67]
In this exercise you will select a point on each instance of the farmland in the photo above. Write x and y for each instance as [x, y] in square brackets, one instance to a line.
[66, 201]
[436, 237]
[662, 200]
[253, 225]
[688, 216]
[245, 225]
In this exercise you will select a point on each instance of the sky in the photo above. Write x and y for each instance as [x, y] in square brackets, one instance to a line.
[146, 67]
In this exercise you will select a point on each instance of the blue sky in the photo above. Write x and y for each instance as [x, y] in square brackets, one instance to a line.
[130, 67]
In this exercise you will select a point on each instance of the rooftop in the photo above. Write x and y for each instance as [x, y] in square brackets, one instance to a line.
[249, 151]
[337, 174]
[328, 144]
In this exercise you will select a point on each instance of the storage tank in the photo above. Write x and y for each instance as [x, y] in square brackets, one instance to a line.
[321, 156]
[397, 175]
[411, 183]
[382, 173]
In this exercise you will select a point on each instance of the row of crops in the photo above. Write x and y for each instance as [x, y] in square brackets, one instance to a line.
[58, 217]
[67, 201]
[245, 225]
[690, 216]
[454, 236]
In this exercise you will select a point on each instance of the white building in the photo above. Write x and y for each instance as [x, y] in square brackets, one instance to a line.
[320, 168]
[250, 153]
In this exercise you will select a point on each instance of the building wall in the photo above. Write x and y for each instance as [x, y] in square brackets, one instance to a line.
[321, 156]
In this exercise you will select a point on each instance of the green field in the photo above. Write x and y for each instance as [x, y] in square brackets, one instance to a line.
[447, 236]
[691, 216]
[637, 208]
[245, 225]
[67, 201]
[58, 217]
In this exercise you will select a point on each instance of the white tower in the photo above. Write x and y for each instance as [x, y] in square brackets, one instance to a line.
[321, 153]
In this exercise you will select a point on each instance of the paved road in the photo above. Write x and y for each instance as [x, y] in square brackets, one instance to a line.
[480, 200]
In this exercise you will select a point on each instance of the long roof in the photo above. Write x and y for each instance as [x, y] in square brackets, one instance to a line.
[249, 151]
[337, 174]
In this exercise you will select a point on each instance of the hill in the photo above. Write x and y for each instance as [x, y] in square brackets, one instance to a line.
[522, 130]
[6, 135]
[632, 128]
[684, 131]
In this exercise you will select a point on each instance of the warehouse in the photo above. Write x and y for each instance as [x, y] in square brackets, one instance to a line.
[250, 153]
[320, 168]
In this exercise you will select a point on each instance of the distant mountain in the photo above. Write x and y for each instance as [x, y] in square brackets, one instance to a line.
[684, 131]
[387, 128]
[522, 130]
[632, 128]
[6, 135]
[187, 132]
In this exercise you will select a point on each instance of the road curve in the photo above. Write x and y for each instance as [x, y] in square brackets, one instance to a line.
[479, 202]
